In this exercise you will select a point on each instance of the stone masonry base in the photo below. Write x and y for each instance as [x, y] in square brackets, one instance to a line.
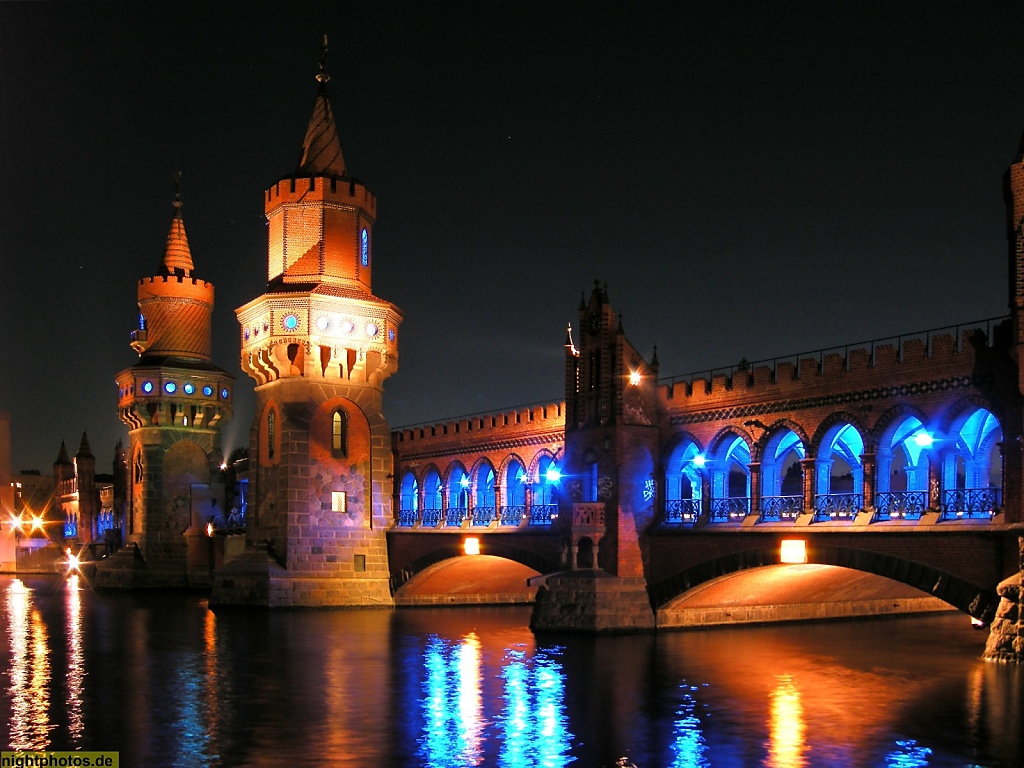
[592, 601]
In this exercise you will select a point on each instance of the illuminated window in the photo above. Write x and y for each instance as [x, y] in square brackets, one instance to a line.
[271, 433]
[189, 388]
[170, 387]
[590, 483]
[337, 501]
[364, 248]
[339, 438]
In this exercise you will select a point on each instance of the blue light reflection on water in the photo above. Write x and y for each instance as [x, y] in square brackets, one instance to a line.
[689, 749]
[531, 728]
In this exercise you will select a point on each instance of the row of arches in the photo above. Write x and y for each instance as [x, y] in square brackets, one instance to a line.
[898, 470]
[512, 494]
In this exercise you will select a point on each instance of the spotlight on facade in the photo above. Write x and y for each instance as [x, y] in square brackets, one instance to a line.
[634, 378]
[37, 522]
[793, 551]
[471, 545]
[923, 439]
[464, 481]
[977, 623]
[16, 523]
[699, 460]
[209, 529]
[553, 475]
[73, 563]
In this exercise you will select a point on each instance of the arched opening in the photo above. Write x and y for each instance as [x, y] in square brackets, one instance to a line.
[972, 467]
[839, 475]
[544, 506]
[484, 505]
[408, 500]
[730, 480]
[902, 475]
[585, 553]
[513, 511]
[684, 483]
[458, 496]
[782, 479]
[469, 580]
[432, 505]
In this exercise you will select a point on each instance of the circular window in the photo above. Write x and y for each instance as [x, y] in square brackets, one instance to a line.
[347, 326]
[147, 387]
[224, 393]
[371, 329]
[207, 390]
[189, 388]
[170, 387]
[323, 322]
[290, 322]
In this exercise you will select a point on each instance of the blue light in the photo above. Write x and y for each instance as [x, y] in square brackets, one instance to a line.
[224, 393]
[189, 388]
[208, 390]
[364, 248]
[147, 387]
[291, 322]
[170, 387]
[699, 460]
[553, 475]
[923, 439]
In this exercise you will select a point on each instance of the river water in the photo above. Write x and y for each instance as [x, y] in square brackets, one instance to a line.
[167, 682]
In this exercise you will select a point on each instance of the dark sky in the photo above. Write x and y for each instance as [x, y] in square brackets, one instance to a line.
[749, 179]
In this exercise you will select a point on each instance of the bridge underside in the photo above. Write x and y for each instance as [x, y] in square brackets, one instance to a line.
[806, 592]
[476, 580]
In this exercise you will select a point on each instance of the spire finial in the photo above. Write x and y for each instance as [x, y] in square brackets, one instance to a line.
[322, 76]
[177, 195]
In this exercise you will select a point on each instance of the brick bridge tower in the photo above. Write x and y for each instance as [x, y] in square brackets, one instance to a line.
[319, 345]
[174, 401]
[611, 443]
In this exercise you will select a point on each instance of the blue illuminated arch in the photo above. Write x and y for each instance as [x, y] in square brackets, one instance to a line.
[684, 481]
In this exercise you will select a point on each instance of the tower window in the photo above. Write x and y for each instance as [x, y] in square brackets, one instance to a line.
[339, 438]
[271, 433]
[364, 248]
[338, 501]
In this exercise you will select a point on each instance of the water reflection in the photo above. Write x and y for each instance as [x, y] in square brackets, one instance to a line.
[689, 749]
[532, 727]
[75, 676]
[29, 672]
[786, 726]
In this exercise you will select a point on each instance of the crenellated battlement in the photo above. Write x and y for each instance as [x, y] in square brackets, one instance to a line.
[175, 287]
[512, 424]
[945, 351]
[320, 189]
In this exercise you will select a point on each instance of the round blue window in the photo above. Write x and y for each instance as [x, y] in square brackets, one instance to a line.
[207, 390]
[224, 393]
[189, 388]
[147, 387]
[290, 322]
[169, 387]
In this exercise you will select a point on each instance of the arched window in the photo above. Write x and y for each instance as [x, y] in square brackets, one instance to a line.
[339, 446]
[271, 432]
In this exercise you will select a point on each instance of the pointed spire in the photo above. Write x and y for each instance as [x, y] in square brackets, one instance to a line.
[619, 329]
[62, 457]
[654, 358]
[321, 149]
[84, 450]
[177, 256]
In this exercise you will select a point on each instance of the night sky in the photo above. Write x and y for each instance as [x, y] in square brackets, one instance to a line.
[749, 179]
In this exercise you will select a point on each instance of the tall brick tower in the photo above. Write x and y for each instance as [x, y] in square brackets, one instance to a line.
[1013, 460]
[319, 345]
[174, 401]
[611, 441]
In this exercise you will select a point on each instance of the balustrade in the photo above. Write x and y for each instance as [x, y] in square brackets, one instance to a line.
[837, 506]
[731, 509]
[512, 515]
[777, 509]
[684, 511]
[900, 505]
[543, 514]
[964, 503]
[455, 517]
[407, 517]
[483, 515]
[431, 517]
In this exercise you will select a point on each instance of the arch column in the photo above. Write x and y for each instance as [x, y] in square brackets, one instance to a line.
[807, 468]
[934, 483]
[869, 464]
[755, 487]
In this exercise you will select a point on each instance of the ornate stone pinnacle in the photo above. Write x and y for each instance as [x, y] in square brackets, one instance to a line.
[322, 76]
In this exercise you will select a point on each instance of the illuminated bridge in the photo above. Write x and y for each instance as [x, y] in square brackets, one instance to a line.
[898, 457]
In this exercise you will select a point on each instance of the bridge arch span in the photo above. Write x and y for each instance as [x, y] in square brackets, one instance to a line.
[488, 546]
[963, 595]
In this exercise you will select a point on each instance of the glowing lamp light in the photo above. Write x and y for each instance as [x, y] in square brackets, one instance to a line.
[471, 545]
[634, 378]
[223, 466]
[16, 522]
[977, 623]
[464, 481]
[553, 475]
[699, 460]
[923, 439]
[37, 523]
[209, 529]
[73, 562]
[793, 551]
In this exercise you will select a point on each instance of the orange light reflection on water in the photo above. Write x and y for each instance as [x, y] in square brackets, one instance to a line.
[76, 664]
[29, 673]
[786, 726]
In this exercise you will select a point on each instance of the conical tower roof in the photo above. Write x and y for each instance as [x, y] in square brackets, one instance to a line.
[321, 149]
[84, 450]
[177, 256]
[62, 456]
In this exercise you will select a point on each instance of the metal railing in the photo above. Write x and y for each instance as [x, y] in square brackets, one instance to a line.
[483, 515]
[837, 506]
[455, 516]
[543, 514]
[967, 503]
[685, 511]
[432, 517]
[900, 505]
[730, 509]
[777, 509]
[408, 517]
[512, 515]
